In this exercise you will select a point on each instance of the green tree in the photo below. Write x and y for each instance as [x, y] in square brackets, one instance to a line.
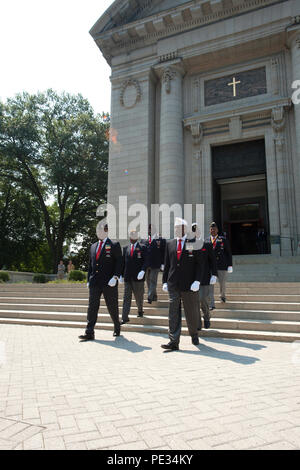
[21, 229]
[54, 147]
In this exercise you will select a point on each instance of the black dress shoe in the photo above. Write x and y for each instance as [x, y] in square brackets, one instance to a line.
[195, 340]
[149, 301]
[117, 333]
[140, 315]
[170, 346]
[206, 324]
[86, 337]
[125, 321]
[212, 308]
[223, 299]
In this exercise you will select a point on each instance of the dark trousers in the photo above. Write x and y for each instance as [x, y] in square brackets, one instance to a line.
[151, 279]
[137, 289]
[190, 301]
[111, 299]
[204, 303]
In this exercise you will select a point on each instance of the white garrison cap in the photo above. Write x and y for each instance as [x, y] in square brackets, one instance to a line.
[179, 221]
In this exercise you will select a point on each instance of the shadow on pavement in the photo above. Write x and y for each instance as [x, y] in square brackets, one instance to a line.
[235, 342]
[122, 343]
[204, 350]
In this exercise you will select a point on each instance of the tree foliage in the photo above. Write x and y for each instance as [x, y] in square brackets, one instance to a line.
[54, 158]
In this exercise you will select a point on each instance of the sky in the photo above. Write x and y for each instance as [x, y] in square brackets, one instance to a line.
[46, 44]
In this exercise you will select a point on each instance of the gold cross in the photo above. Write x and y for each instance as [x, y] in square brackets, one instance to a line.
[234, 84]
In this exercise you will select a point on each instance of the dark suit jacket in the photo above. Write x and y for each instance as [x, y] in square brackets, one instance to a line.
[181, 274]
[132, 266]
[108, 265]
[209, 263]
[222, 253]
[156, 251]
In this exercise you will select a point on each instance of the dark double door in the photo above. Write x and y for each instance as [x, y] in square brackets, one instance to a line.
[240, 196]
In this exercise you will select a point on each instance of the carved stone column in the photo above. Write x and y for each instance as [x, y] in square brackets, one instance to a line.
[171, 165]
[295, 54]
[278, 123]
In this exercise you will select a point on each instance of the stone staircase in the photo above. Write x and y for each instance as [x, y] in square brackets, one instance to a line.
[258, 311]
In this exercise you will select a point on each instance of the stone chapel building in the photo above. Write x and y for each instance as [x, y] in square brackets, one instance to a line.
[202, 112]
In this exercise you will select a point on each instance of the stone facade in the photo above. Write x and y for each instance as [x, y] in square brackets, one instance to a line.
[169, 60]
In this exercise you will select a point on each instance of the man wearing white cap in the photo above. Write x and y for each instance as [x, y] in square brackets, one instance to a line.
[181, 279]
[135, 264]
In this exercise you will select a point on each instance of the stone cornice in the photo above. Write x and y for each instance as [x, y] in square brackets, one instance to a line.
[149, 30]
[268, 107]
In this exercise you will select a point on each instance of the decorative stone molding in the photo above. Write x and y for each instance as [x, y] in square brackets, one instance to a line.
[168, 75]
[195, 94]
[197, 131]
[296, 20]
[279, 143]
[130, 83]
[159, 25]
[197, 155]
[275, 75]
[170, 56]
[278, 119]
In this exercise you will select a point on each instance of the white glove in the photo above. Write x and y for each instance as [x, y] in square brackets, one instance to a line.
[112, 282]
[213, 280]
[140, 276]
[162, 267]
[229, 269]
[121, 280]
[87, 284]
[195, 286]
[165, 287]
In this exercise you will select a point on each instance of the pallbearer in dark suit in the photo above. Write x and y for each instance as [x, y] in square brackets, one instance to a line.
[134, 266]
[181, 278]
[209, 276]
[104, 270]
[223, 257]
[156, 247]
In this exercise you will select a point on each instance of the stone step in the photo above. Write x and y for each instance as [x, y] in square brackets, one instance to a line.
[272, 315]
[154, 329]
[159, 320]
[84, 293]
[31, 298]
[235, 284]
[231, 305]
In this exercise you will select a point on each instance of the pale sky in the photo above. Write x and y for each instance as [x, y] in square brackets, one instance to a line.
[46, 44]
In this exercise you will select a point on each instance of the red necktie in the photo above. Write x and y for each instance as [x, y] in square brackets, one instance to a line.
[214, 242]
[99, 250]
[131, 252]
[150, 239]
[179, 249]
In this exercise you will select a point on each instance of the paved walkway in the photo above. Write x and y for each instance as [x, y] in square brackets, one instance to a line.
[126, 393]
